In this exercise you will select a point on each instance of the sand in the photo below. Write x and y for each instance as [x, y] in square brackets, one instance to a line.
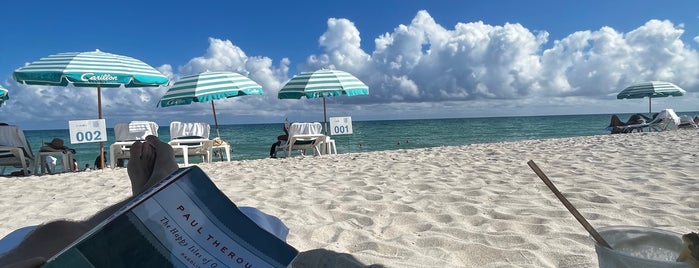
[477, 205]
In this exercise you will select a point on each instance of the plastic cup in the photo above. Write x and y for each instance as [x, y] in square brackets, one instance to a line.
[635, 246]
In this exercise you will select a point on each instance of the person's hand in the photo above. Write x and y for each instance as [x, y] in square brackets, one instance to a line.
[150, 161]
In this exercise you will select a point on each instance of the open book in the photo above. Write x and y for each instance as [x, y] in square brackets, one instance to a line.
[183, 221]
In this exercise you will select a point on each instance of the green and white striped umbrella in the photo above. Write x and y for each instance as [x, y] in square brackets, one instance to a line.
[652, 89]
[322, 84]
[4, 95]
[209, 86]
[90, 69]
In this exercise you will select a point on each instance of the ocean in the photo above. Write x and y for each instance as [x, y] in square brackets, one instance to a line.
[253, 141]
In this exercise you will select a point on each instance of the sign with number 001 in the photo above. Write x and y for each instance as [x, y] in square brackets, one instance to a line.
[340, 125]
[85, 131]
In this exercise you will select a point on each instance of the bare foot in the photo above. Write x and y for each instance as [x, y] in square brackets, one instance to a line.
[150, 162]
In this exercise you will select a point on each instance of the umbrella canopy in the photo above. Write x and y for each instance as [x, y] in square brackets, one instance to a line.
[652, 89]
[209, 86]
[322, 84]
[4, 95]
[90, 69]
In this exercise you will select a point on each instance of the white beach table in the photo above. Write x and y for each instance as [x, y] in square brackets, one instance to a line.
[328, 146]
[224, 147]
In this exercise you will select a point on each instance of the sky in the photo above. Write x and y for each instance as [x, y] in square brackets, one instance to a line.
[421, 59]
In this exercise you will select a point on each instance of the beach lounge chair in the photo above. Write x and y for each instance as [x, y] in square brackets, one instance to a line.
[191, 139]
[665, 120]
[125, 135]
[633, 124]
[687, 121]
[303, 137]
[14, 150]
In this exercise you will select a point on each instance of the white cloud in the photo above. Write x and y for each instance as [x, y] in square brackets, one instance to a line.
[427, 63]
[221, 55]
[341, 43]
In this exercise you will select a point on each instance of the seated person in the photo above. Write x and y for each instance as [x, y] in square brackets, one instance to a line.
[616, 122]
[280, 139]
[98, 161]
[618, 126]
[636, 119]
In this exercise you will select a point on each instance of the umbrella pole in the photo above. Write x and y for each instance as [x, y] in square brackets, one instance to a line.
[650, 111]
[99, 116]
[325, 118]
[215, 120]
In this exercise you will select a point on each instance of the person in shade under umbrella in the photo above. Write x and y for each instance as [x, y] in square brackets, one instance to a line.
[98, 161]
[280, 139]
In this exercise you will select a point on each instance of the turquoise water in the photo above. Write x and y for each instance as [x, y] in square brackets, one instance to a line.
[252, 141]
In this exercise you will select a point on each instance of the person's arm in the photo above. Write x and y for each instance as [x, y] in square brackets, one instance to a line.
[29, 263]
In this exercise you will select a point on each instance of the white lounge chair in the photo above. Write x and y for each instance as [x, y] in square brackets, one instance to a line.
[687, 121]
[191, 139]
[665, 120]
[200, 130]
[14, 149]
[303, 137]
[126, 134]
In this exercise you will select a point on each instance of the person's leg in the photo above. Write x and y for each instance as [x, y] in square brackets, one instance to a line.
[273, 150]
[150, 162]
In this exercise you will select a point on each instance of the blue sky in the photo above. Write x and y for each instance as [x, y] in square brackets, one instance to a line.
[421, 59]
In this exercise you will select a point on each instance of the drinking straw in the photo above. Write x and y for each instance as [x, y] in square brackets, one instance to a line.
[568, 205]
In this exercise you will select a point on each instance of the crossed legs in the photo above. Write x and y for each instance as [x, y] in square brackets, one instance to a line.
[150, 162]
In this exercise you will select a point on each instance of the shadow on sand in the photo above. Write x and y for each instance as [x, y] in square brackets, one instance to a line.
[328, 258]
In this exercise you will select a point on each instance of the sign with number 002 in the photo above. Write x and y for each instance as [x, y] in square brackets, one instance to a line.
[86, 131]
[340, 125]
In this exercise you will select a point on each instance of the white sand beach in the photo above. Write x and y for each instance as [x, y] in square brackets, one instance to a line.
[466, 206]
